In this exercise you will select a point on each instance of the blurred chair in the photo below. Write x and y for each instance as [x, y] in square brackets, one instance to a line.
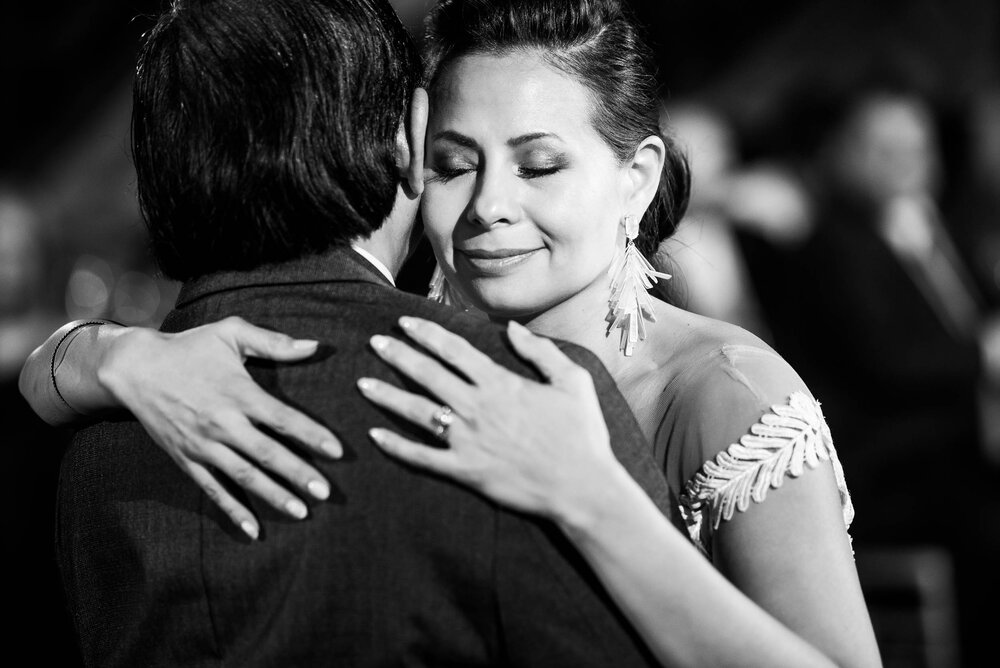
[911, 598]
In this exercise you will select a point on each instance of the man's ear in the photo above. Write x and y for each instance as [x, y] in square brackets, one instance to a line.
[644, 173]
[410, 143]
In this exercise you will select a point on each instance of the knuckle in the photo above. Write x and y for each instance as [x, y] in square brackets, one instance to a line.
[468, 424]
[281, 420]
[213, 493]
[423, 367]
[244, 475]
[213, 423]
[448, 353]
[264, 454]
[509, 385]
[277, 339]
[233, 321]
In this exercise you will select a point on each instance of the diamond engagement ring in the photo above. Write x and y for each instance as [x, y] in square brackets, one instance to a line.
[442, 419]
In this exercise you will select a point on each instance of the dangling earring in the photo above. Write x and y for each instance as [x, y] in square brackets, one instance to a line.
[441, 291]
[631, 276]
[439, 287]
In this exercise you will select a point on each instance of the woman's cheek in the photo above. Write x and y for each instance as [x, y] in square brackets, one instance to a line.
[438, 223]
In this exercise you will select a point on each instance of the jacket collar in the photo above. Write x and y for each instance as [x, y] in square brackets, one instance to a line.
[340, 264]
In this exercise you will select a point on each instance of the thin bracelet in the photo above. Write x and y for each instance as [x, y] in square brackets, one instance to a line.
[55, 351]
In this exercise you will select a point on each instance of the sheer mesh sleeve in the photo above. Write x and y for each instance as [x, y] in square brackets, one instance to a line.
[744, 423]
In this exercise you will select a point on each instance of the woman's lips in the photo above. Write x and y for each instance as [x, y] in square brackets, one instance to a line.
[493, 262]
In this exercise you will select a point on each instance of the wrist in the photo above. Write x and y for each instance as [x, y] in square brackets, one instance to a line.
[115, 361]
[72, 379]
[597, 505]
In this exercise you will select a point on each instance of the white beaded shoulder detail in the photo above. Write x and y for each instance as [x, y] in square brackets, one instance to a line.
[783, 442]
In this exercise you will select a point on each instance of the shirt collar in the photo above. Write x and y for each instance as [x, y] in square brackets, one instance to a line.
[384, 270]
[335, 265]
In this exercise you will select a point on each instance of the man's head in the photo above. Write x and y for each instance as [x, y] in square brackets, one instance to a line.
[265, 130]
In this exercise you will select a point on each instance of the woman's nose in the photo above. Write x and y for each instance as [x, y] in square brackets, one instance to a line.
[494, 199]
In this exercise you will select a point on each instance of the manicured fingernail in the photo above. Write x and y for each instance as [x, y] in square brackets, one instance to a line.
[407, 323]
[250, 529]
[366, 384]
[380, 343]
[319, 489]
[332, 449]
[377, 435]
[296, 508]
[304, 344]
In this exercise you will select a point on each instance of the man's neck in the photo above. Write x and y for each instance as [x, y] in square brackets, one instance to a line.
[392, 242]
[382, 248]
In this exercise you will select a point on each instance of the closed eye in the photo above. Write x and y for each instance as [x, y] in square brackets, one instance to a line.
[445, 174]
[537, 172]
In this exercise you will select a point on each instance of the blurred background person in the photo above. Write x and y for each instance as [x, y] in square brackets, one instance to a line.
[893, 331]
[727, 195]
[706, 264]
[973, 208]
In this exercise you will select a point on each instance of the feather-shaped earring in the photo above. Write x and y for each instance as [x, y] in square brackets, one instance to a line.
[441, 291]
[631, 277]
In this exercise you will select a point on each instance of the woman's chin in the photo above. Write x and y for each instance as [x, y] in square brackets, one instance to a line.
[504, 304]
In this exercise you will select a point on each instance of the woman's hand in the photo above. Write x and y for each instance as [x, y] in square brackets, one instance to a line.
[536, 447]
[196, 399]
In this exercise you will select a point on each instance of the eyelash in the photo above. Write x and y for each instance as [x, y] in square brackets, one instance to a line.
[445, 175]
[536, 172]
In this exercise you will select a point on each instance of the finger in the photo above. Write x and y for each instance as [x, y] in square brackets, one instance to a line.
[424, 369]
[545, 355]
[264, 409]
[253, 341]
[443, 462]
[415, 408]
[271, 455]
[256, 482]
[449, 347]
[226, 502]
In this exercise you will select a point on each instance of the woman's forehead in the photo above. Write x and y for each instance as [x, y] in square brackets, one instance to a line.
[509, 92]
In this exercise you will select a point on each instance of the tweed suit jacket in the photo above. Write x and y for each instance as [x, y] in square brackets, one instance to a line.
[398, 568]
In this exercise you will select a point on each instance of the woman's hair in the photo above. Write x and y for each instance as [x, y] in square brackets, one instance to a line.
[598, 42]
[264, 130]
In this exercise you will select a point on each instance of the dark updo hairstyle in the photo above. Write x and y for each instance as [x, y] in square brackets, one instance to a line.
[597, 42]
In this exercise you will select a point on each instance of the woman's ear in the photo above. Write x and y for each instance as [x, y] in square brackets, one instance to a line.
[644, 173]
[410, 143]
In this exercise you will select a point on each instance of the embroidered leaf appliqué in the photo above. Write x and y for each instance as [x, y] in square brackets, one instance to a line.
[783, 442]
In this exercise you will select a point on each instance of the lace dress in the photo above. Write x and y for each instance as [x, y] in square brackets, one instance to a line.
[738, 423]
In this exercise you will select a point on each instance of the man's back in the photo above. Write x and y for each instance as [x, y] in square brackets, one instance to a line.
[396, 568]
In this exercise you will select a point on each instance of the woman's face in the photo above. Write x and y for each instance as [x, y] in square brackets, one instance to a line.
[524, 200]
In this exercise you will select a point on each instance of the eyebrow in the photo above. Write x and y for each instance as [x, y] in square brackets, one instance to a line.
[457, 138]
[468, 142]
[524, 139]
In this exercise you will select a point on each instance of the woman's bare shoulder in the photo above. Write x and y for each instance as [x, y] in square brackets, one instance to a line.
[692, 338]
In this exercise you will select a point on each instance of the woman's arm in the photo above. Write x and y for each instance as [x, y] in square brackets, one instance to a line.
[543, 448]
[77, 394]
[193, 394]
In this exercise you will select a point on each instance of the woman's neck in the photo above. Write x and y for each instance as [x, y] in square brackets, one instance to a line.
[582, 319]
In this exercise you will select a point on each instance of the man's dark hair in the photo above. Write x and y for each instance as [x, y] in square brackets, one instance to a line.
[265, 130]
